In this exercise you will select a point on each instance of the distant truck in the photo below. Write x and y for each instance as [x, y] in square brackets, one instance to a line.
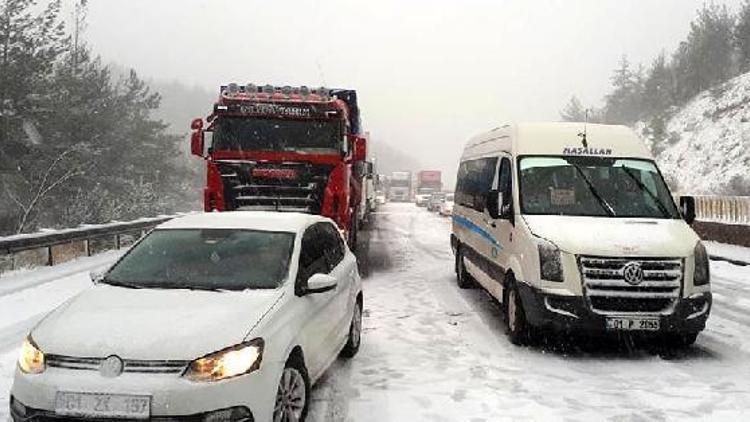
[284, 149]
[400, 186]
[428, 182]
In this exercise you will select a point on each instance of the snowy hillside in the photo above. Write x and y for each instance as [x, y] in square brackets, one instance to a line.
[707, 150]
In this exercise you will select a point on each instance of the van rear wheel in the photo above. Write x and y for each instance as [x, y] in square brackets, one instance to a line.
[463, 279]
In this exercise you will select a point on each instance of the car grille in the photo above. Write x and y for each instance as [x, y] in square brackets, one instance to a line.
[130, 365]
[303, 192]
[608, 292]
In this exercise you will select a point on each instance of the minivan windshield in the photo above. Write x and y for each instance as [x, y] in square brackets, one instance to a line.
[205, 259]
[594, 186]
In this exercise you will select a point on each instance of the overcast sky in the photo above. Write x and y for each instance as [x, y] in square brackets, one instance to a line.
[429, 73]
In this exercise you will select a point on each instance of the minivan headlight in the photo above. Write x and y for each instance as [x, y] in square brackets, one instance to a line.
[230, 362]
[31, 359]
[550, 261]
[701, 273]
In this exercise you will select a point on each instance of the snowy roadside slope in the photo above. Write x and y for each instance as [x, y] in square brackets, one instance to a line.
[709, 140]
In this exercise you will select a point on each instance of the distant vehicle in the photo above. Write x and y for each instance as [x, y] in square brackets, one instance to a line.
[182, 328]
[428, 181]
[380, 198]
[446, 207]
[436, 198]
[368, 192]
[400, 186]
[598, 244]
[291, 149]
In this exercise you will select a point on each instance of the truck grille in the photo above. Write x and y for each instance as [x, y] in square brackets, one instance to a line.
[631, 285]
[251, 185]
[130, 366]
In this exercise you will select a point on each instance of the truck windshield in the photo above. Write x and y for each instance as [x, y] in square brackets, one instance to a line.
[594, 186]
[205, 259]
[253, 134]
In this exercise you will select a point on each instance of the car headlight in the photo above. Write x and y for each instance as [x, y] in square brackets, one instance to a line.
[31, 359]
[550, 261]
[230, 362]
[701, 273]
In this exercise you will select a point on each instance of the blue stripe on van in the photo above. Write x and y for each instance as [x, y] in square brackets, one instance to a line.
[465, 222]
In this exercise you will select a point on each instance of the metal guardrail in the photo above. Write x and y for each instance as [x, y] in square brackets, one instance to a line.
[723, 209]
[115, 231]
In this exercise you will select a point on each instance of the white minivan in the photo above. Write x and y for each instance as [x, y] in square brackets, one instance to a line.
[572, 227]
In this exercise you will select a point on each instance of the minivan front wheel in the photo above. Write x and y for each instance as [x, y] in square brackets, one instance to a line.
[518, 328]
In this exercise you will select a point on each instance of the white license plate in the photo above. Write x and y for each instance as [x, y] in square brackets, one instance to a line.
[633, 324]
[103, 405]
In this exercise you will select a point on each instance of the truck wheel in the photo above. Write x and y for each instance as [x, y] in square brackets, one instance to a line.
[518, 329]
[353, 233]
[463, 279]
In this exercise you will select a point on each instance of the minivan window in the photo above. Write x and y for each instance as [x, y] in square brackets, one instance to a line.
[594, 186]
[205, 259]
[473, 181]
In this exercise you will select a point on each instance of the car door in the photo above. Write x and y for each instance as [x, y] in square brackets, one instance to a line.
[344, 271]
[319, 328]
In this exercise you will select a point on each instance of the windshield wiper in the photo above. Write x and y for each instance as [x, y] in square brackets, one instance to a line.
[643, 187]
[593, 190]
[121, 284]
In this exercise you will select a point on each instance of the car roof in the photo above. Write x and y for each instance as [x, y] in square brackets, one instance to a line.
[291, 222]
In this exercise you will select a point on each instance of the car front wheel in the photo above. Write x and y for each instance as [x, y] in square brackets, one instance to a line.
[355, 333]
[292, 393]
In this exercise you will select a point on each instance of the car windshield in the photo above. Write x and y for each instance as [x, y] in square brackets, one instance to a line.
[206, 259]
[246, 134]
[594, 186]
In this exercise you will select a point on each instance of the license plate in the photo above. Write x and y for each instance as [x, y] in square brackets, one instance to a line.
[633, 324]
[103, 405]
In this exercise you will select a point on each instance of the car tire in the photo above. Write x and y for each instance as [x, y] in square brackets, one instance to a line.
[463, 279]
[293, 392]
[355, 333]
[519, 331]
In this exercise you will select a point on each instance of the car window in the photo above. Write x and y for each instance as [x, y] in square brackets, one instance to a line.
[334, 245]
[312, 259]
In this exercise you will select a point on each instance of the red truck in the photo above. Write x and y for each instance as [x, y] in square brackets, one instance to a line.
[428, 182]
[284, 149]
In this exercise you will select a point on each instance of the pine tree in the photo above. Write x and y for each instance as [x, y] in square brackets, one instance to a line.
[623, 104]
[658, 87]
[573, 111]
[742, 36]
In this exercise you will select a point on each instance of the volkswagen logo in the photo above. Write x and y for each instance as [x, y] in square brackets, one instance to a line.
[633, 273]
[111, 367]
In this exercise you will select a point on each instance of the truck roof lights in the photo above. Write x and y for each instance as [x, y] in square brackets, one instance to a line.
[268, 89]
[233, 88]
[304, 91]
[251, 89]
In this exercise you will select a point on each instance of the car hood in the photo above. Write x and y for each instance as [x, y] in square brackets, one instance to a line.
[150, 323]
[615, 236]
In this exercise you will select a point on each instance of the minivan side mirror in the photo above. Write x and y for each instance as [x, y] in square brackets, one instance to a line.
[319, 283]
[494, 203]
[687, 208]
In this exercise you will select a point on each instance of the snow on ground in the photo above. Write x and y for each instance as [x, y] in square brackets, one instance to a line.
[723, 250]
[433, 352]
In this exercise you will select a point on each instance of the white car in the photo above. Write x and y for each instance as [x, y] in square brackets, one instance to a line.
[446, 208]
[223, 316]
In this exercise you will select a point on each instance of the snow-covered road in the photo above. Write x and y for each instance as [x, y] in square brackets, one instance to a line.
[434, 352]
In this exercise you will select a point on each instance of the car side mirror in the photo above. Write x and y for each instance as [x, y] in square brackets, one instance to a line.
[320, 283]
[196, 138]
[97, 276]
[687, 208]
[494, 202]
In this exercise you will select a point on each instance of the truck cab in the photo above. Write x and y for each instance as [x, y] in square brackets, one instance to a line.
[283, 149]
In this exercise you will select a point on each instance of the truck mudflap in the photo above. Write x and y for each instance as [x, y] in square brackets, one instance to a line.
[572, 313]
